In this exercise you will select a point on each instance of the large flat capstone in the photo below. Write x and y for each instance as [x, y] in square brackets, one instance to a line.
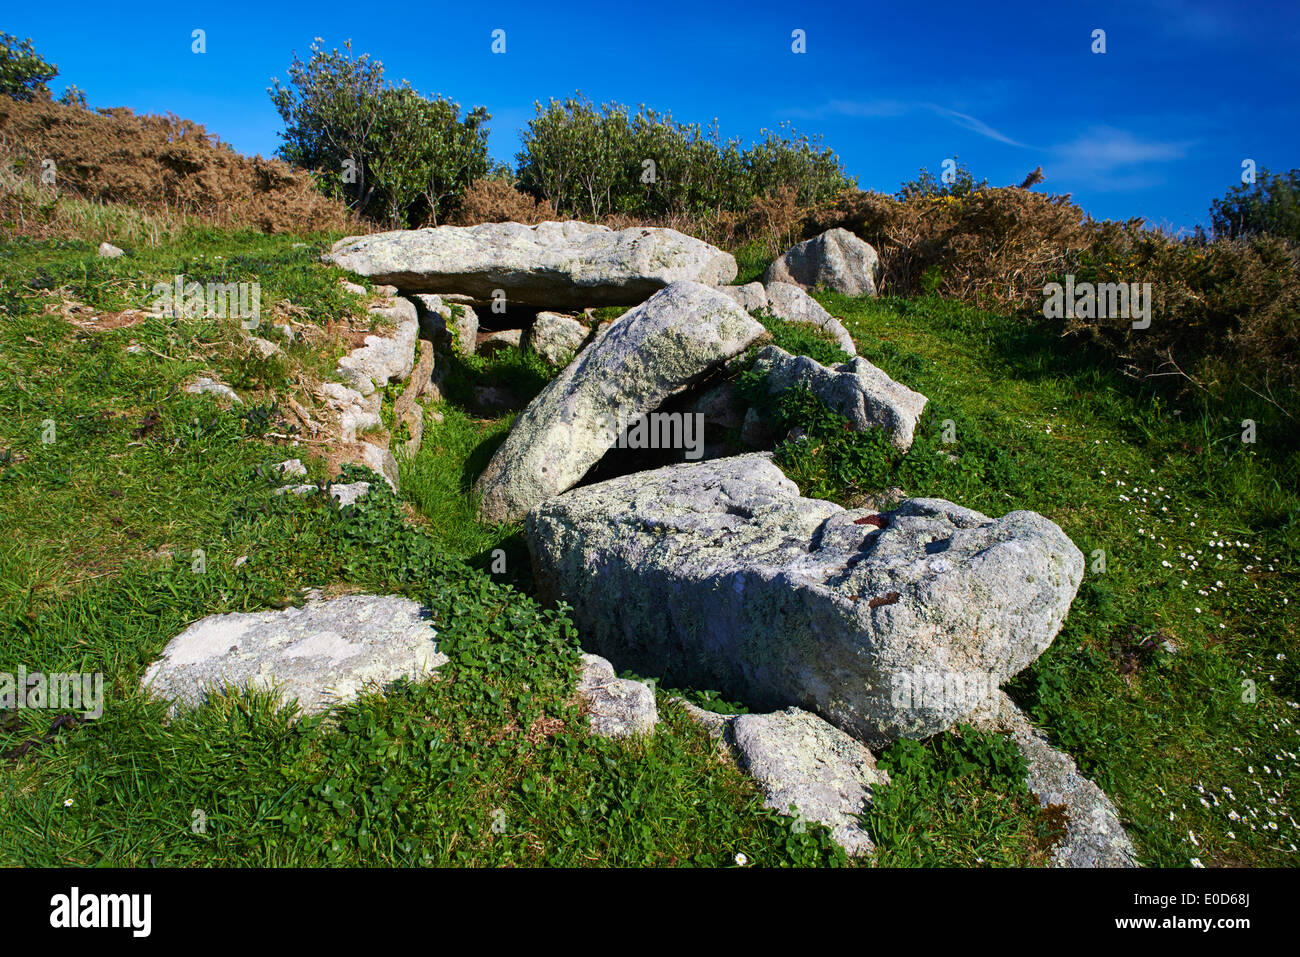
[553, 265]
[720, 575]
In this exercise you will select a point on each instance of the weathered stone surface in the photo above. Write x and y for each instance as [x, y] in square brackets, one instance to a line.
[557, 265]
[751, 297]
[321, 654]
[109, 251]
[654, 351]
[791, 303]
[264, 347]
[717, 725]
[856, 389]
[720, 407]
[497, 341]
[1094, 836]
[381, 461]
[354, 412]
[556, 338]
[296, 490]
[387, 358]
[291, 468]
[207, 385]
[719, 575]
[799, 760]
[616, 707]
[350, 493]
[448, 324]
[835, 260]
[344, 494]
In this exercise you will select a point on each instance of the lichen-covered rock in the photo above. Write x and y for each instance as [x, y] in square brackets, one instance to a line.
[380, 460]
[717, 725]
[552, 265]
[500, 341]
[384, 358]
[321, 654]
[856, 389]
[616, 707]
[354, 412]
[556, 338]
[789, 302]
[264, 347]
[1094, 836]
[751, 296]
[654, 351]
[447, 324]
[206, 385]
[720, 406]
[835, 260]
[801, 762]
[349, 493]
[720, 575]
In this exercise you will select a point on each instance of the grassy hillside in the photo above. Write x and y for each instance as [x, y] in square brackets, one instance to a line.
[491, 762]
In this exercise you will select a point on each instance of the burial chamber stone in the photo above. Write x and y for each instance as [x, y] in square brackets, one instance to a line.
[720, 575]
[651, 353]
[568, 265]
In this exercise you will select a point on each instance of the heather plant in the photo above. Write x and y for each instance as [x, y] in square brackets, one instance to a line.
[1226, 313]
[495, 199]
[109, 174]
[989, 245]
[1226, 310]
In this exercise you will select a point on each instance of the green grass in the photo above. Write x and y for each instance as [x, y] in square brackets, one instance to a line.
[960, 798]
[1157, 496]
[752, 261]
[490, 763]
[801, 339]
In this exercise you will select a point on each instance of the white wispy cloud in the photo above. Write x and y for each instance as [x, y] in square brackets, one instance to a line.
[885, 108]
[1106, 148]
[974, 124]
[1109, 158]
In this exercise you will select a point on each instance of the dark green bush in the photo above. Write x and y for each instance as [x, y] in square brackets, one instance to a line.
[23, 71]
[393, 154]
[1269, 206]
[591, 162]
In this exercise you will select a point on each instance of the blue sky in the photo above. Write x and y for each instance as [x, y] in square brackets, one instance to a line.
[1155, 127]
